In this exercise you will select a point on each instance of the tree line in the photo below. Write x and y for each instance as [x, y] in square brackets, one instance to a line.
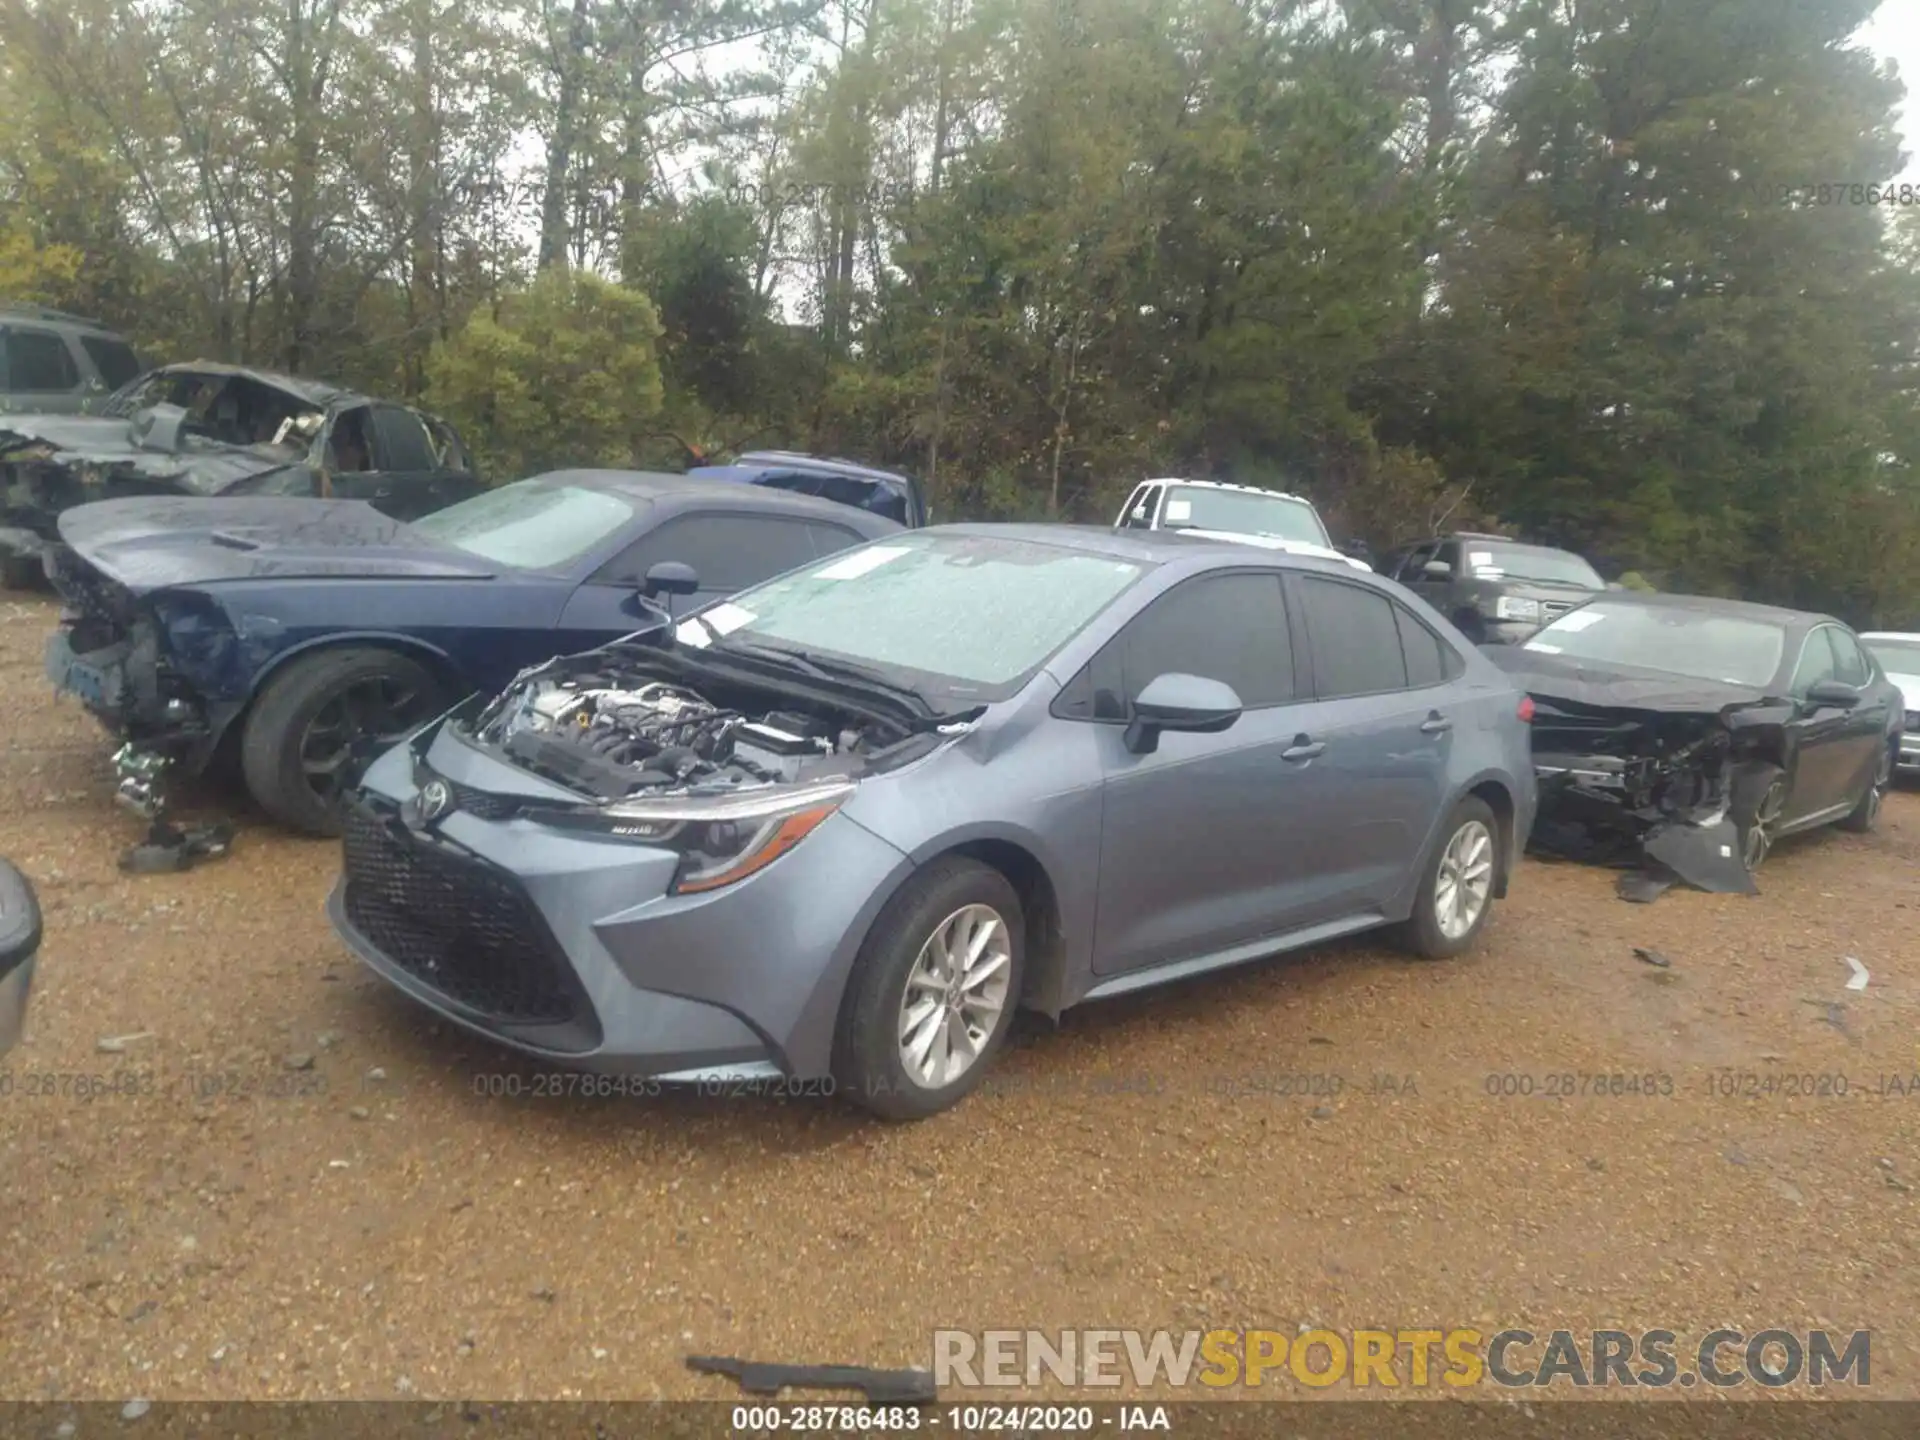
[1634, 276]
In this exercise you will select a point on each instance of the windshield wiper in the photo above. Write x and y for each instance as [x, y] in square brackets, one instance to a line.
[824, 667]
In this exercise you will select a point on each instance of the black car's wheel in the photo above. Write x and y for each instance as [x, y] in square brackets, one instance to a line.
[933, 991]
[1866, 814]
[321, 720]
[1759, 797]
[1456, 884]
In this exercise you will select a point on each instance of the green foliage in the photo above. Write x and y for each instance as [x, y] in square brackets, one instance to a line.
[565, 375]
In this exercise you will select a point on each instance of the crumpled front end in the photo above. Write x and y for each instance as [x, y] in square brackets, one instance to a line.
[1652, 790]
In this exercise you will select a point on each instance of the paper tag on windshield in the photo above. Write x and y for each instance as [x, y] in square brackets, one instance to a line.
[1578, 620]
[1179, 509]
[1480, 558]
[1543, 649]
[860, 562]
[692, 632]
[726, 617]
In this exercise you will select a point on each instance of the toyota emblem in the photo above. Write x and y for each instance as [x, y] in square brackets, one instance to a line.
[436, 798]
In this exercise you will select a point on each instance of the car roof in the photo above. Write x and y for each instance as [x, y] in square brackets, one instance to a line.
[318, 393]
[1227, 485]
[1714, 605]
[47, 315]
[685, 492]
[1151, 547]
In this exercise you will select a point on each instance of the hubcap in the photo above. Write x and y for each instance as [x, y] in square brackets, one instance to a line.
[1465, 880]
[357, 722]
[955, 992]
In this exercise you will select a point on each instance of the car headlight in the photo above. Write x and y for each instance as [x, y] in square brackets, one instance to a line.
[724, 839]
[1512, 607]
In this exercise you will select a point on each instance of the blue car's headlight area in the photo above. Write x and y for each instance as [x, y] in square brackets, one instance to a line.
[197, 640]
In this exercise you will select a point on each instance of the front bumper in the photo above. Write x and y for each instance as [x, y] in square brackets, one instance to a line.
[1909, 759]
[567, 947]
[118, 684]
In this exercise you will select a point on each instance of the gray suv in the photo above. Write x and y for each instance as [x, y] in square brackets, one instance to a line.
[1497, 591]
[53, 363]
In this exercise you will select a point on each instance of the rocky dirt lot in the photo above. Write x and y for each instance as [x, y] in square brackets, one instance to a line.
[296, 1185]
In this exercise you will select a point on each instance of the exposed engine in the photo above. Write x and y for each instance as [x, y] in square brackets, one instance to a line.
[613, 740]
[1648, 765]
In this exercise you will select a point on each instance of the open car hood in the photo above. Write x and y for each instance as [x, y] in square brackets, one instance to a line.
[1560, 680]
[147, 544]
[111, 445]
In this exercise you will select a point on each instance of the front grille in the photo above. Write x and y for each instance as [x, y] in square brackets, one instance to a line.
[456, 923]
[1913, 721]
[484, 803]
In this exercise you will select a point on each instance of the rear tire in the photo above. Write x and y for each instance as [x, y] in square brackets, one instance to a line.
[979, 909]
[1865, 815]
[1455, 895]
[341, 706]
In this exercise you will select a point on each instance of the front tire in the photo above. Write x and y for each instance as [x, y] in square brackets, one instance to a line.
[320, 720]
[1455, 895]
[1759, 798]
[1866, 814]
[933, 991]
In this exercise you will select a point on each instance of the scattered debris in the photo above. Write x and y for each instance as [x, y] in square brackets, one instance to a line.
[134, 1409]
[1653, 957]
[299, 1060]
[881, 1387]
[1643, 887]
[1860, 974]
[1786, 1190]
[116, 1044]
[1321, 1112]
[359, 1112]
[543, 1292]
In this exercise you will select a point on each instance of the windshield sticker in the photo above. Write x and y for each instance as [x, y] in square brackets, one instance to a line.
[1579, 620]
[726, 617]
[1478, 558]
[1489, 572]
[1542, 648]
[1179, 509]
[692, 632]
[858, 564]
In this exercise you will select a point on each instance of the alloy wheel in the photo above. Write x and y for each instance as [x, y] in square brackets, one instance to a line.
[1464, 880]
[357, 722]
[1759, 839]
[954, 996]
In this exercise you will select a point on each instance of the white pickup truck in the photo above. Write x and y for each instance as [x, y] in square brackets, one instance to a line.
[1268, 518]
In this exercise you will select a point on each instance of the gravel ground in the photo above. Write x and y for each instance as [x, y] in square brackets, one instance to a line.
[295, 1186]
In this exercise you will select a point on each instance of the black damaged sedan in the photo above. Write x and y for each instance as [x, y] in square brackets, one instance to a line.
[1698, 731]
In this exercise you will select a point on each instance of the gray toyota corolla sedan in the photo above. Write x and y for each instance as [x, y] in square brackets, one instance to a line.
[836, 829]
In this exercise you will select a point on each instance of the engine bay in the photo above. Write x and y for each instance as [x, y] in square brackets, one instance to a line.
[616, 732]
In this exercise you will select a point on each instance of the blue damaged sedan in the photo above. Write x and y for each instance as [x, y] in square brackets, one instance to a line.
[839, 827]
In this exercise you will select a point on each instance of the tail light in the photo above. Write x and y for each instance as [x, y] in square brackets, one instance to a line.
[1526, 710]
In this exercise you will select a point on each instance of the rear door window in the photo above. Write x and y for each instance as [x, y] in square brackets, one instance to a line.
[726, 552]
[1355, 639]
[399, 440]
[114, 359]
[1430, 660]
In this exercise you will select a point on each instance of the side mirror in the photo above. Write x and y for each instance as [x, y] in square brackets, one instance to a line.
[1437, 570]
[1835, 694]
[19, 940]
[1174, 701]
[670, 577]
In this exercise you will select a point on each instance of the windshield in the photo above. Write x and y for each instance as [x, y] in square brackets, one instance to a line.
[530, 524]
[1694, 643]
[1243, 512]
[1898, 657]
[972, 616]
[1494, 561]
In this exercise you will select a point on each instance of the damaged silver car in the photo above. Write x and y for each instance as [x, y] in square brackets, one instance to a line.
[1684, 735]
[204, 429]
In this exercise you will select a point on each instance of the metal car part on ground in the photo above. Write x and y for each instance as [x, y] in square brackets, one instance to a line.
[958, 771]
[1496, 591]
[293, 639]
[1683, 735]
[209, 430]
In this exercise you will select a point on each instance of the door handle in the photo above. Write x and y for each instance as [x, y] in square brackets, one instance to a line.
[1435, 724]
[1303, 748]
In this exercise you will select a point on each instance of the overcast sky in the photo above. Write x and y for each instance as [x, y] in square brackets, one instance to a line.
[1894, 33]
